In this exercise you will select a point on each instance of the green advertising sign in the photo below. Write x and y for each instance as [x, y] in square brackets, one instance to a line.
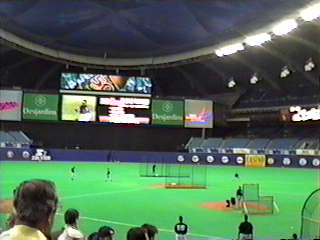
[40, 107]
[167, 112]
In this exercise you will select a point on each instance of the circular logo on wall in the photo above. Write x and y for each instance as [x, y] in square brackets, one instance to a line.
[25, 154]
[270, 161]
[210, 159]
[10, 154]
[316, 162]
[303, 162]
[240, 160]
[167, 106]
[195, 158]
[224, 159]
[180, 158]
[286, 161]
[40, 100]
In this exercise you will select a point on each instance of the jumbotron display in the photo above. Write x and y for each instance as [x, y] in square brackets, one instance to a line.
[128, 110]
[107, 83]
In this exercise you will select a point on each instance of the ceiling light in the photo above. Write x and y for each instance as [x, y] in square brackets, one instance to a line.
[310, 65]
[285, 72]
[257, 40]
[254, 79]
[231, 83]
[229, 49]
[311, 12]
[285, 27]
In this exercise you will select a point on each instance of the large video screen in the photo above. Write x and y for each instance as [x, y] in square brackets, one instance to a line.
[107, 83]
[40, 107]
[165, 112]
[198, 114]
[128, 110]
[78, 108]
[10, 105]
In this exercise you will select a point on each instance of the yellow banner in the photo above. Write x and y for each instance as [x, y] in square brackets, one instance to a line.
[257, 161]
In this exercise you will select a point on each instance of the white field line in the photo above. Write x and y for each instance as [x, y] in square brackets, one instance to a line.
[134, 225]
[276, 207]
[101, 193]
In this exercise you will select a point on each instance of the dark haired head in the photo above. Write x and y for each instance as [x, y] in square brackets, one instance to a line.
[105, 233]
[137, 233]
[71, 216]
[180, 218]
[246, 217]
[92, 236]
[150, 230]
[35, 202]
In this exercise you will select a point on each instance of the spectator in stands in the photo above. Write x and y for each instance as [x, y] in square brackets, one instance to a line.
[35, 203]
[104, 233]
[245, 229]
[181, 229]
[71, 230]
[150, 230]
[137, 233]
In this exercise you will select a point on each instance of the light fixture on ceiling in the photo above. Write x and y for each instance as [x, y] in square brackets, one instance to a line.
[257, 40]
[309, 65]
[285, 27]
[285, 72]
[311, 13]
[231, 83]
[229, 49]
[254, 78]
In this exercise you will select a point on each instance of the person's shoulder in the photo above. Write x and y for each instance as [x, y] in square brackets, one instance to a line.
[5, 235]
[74, 233]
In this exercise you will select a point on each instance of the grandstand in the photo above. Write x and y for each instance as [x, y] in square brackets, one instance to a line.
[14, 139]
[144, 111]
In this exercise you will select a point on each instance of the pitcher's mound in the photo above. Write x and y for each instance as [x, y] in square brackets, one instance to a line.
[6, 206]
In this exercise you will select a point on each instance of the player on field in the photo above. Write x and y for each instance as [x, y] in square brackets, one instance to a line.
[73, 173]
[154, 167]
[181, 229]
[108, 176]
[239, 195]
[245, 230]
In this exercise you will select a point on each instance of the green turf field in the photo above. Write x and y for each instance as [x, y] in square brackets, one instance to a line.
[130, 201]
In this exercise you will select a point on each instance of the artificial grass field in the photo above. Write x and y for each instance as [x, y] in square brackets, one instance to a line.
[130, 200]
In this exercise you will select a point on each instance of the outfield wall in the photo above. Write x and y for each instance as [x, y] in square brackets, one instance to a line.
[288, 161]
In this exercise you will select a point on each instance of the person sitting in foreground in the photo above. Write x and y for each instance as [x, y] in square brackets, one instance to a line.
[35, 204]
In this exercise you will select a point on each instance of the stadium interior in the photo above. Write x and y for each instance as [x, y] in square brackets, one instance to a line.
[253, 67]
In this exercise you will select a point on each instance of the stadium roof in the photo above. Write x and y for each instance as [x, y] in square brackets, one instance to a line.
[136, 32]
[122, 33]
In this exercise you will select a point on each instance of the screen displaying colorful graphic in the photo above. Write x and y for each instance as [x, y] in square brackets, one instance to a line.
[40, 107]
[108, 83]
[167, 112]
[128, 110]
[198, 114]
[10, 105]
[78, 108]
